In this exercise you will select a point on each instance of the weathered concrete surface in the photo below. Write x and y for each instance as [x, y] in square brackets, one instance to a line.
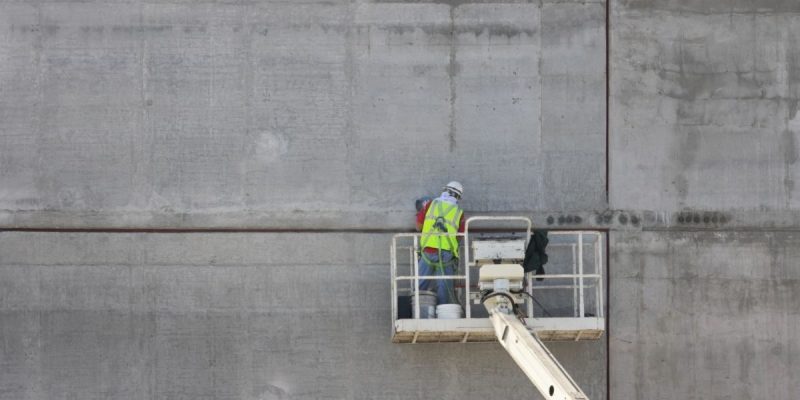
[703, 126]
[704, 315]
[239, 316]
[704, 105]
[318, 116]
[323, 115]
[275, 114]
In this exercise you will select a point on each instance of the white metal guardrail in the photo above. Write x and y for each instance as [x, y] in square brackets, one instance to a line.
[578, 276]
[580, 244]
[414, 267]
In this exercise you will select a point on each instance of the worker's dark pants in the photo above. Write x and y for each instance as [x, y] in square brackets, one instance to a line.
[432, 266]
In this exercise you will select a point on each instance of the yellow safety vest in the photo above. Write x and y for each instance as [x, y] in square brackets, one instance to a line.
[442, 217]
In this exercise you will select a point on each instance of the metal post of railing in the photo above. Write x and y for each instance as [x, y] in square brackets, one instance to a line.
[574, 283]
[416, 278]
[467, 304]
[600, 280]
[530, 292]
[597, 292]
[393, 273]
[465, 272]
[580, 271]
[530, 274]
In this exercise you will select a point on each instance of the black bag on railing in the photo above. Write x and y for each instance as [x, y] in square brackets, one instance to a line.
[535, 255]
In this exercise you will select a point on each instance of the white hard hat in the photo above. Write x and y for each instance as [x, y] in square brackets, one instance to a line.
[455, 188]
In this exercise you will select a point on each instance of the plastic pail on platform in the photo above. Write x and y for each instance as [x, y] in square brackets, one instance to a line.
[427, 304]
[449, 311]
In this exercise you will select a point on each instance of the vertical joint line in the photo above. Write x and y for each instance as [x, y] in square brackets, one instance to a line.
[451, 72]
[608, 102]
[607, 311]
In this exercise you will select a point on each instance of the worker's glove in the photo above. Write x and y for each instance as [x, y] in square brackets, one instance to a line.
[421, 202]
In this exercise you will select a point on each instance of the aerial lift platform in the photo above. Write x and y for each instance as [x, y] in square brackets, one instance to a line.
[502, 303]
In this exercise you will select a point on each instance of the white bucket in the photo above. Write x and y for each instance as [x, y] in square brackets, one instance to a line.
[449, 311]
[427, 304]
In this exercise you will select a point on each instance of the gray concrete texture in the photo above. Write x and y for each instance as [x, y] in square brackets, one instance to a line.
[229, 316]
[704, 105]
[160, 114]
[705, 315]
[335, 115]
[703, 123]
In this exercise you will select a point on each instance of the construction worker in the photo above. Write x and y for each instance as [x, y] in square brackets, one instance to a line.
[439, 220]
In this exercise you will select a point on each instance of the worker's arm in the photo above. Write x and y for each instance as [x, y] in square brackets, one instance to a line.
[421, 215]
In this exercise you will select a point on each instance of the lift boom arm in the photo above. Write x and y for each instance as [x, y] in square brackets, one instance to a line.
[530, 354]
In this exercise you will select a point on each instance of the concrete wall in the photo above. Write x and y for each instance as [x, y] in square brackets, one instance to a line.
[703, 127]
[335, 115]
[274, 114]
[313, 115]
[704, 315]
[230, 316]
[704, 105]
